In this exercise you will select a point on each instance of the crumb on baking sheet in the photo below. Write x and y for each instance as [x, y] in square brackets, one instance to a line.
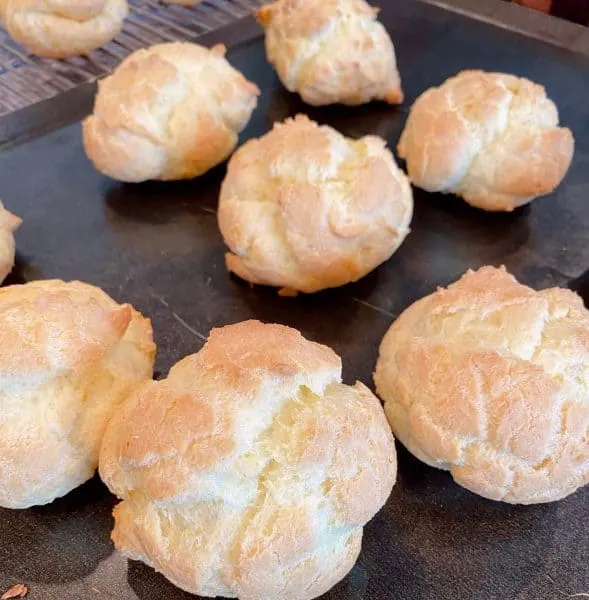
[19, 590]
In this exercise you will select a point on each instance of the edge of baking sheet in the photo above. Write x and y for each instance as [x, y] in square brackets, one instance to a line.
[525, 21]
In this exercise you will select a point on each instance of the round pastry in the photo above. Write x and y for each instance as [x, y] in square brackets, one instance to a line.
[489, 379]
[304, 208]
[63, 28]
[251, 470]
[331, 51]
[172, 111]
[492, 139]
[68, 357]
[9, 223]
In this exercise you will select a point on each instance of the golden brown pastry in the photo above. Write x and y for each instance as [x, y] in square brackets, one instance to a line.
[172, 111]
[304, 208]
[489, 379]
[331, 51]
[251, 470]
[491, 138]
[69, 354]
[9, 223]
[63, 28]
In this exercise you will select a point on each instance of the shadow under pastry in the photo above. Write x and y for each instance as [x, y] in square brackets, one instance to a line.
[59, 542]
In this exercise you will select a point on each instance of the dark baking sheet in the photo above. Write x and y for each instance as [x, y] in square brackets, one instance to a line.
[157, 246]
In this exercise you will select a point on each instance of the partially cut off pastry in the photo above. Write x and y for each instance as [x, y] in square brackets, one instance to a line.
[63, 28]
[304, 208]
[172, 111]
[490, 138]
[251, 470]
[9, 223]
[489, 379]
[331, 51]
[69, 355]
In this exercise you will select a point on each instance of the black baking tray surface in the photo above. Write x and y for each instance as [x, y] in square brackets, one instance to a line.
[158, 247]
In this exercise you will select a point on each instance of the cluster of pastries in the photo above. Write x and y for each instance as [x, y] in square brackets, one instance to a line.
[303, 208]
[251, 470]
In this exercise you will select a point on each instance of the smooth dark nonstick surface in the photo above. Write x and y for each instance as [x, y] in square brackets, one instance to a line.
[158, 247]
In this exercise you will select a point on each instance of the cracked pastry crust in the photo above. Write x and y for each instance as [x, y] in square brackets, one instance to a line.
[491, 138]
[172, 111]
[63, 28]
[9, 223]
[502, 393]
[251, 470]
[331, 51]
[304, 208]
[68, 357]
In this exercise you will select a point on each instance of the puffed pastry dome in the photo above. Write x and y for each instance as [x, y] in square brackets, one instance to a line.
[305, 208]
[63, 28]
[491, 138]
[172, 111]
[331, 51]
[69, 355]
[9, 223]
[489, 379]
[251, 470]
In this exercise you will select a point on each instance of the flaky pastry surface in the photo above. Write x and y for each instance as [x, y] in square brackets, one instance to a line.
[489, 379]
[491, 138]
[63, 28]
[304, 208]
[331, 51]
[172, 111]
[68, 356]
[250, 471]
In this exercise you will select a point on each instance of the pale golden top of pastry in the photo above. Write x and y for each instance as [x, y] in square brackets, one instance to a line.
[251, 470]
[172, 111]
[331, 51]
[305, 208]
[490, 138]
[9, 223]
[68, 356]
[63, 28]
[490, 380]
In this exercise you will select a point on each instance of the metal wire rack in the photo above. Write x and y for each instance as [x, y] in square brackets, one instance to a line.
[26, 79]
